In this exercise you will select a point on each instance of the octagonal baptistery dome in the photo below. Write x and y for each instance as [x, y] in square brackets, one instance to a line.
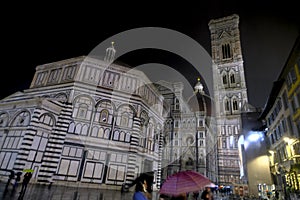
[83, 120]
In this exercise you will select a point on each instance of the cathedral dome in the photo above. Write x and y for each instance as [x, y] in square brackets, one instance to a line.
[200, 101]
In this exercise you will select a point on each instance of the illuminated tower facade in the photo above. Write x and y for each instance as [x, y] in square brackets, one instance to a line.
[230, 94]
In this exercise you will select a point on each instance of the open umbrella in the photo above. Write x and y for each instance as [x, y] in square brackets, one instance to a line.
[211, 185]
[182, 182]
[28, 170]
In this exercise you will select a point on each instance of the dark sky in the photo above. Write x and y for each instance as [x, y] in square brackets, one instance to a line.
[39, 34]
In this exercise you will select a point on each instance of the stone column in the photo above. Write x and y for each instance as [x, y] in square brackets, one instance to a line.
[55, 144]
[133, 150]
[159, 166]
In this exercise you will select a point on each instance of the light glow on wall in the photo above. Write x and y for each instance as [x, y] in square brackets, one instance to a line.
[241, 162]
[253, 137]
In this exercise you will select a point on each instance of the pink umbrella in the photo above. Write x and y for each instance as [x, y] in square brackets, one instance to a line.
[182, 182]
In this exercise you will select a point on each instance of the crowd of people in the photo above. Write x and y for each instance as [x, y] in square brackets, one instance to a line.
[14, 179]
[142, 188]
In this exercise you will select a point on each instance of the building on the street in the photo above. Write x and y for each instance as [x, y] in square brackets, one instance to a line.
[230, 95]
[84, 121]
[255, 168]
[282, 118]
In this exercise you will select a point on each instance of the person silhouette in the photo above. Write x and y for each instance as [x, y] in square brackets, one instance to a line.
[26, 179]
[207, 194]
[10, 177]
[141, 192]
[17, 180]
[182, 196]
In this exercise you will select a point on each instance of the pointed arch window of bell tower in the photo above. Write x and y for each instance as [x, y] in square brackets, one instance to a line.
[226, 105]
[232, 78]
[224, 77]
[235, 104]
[226, 51]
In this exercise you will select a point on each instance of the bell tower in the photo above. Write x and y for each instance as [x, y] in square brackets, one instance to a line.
[230, 94]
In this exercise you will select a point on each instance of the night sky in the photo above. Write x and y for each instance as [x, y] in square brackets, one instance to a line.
[39, 34]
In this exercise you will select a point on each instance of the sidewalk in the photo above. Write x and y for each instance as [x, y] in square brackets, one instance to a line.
[42, 192]
[57, 192]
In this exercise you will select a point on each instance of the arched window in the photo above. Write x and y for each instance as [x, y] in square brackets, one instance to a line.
[22, 119]
[94, 132]
[47, 120]
[224, 79]
[226, 105]
[82, 111]
[101, 133]
[232, 78]
[150, 129]
[122, 136]
[106, 133]
[116, 135]
[176, 104]
[235, 104]
[144, 128]
[124, 120]
[127, 138]
[78, 129]
[125, 116]
[223, 52]
[226, 52]
[83, 107]
[104, 112]
[84, 130]
[71, 128]
[104, 116]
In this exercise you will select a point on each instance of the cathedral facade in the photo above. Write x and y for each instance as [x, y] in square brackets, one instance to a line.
[185, 132]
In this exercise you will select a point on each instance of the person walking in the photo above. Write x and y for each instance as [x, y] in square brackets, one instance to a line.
[207, 194]
[10, 177]
[195, 195]
[26, 179]
[17, 180]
